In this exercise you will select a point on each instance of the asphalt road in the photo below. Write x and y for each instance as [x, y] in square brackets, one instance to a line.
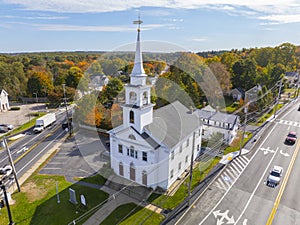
[240, 196]
[36, 146]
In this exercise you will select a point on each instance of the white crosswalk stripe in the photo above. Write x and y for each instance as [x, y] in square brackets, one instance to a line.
[290, 123]
[237, 163]
[230, 174]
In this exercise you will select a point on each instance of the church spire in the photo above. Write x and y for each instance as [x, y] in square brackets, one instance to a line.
[138, 69]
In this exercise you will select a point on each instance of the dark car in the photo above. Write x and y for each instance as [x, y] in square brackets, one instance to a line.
[299, 108]
[64, 125]
[291, 138]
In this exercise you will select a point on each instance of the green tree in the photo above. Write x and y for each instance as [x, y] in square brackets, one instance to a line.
[73, 77]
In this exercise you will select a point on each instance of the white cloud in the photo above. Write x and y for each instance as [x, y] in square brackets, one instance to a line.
[281, 19]
[270, 10]
[35, 17]
[67, 27]
[199, 39]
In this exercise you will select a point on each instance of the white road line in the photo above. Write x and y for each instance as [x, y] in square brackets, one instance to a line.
[214, 208]
[222, 183]
[256, 187]
[217, 185]
[235, 167]
[228, 175]
[243, 159]
[51, 168]
[234, 171]
[84, 171]
[55, 162]
[40, 152]
[241, 166]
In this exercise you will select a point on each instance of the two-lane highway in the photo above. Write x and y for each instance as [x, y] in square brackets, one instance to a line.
[30, 148]
[248, 200]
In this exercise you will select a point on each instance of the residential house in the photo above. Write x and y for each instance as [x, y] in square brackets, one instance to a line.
[218, 122]
[97, 81]
[237, 94]
[152, 148]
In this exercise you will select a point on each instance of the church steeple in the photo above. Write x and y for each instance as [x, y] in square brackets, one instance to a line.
[138, 76]
[138, 109]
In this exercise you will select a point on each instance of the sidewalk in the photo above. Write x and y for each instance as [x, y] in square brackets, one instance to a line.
[115, 199]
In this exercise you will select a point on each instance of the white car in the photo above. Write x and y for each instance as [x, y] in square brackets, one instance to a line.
[274, 176]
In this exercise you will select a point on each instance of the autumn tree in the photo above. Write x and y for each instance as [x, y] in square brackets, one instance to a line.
[73, 77]
[222, 75]
[39, 83]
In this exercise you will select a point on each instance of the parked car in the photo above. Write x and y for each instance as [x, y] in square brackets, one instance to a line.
[299, 108]
[274, 176]
[291, 138]
[8, 126]
[3, 129]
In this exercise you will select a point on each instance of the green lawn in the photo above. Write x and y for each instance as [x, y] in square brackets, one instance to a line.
[36, 204]
[96, 179]
[236, 145]
[199, 173]
[132, 214]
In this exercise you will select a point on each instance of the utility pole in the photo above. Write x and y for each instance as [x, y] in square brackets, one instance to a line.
[244, 128]
[11, 164]
[297, 93]
[67, 114]
[191, 170]
[278, 97]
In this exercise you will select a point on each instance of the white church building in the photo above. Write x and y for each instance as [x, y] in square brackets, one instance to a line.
[152, 148]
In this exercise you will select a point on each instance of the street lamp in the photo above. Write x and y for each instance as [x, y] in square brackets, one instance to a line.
[36, 98]
[4, 175]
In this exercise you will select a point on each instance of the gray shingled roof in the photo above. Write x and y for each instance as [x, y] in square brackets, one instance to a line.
[224, 117]
[172, 124]
[217, 116]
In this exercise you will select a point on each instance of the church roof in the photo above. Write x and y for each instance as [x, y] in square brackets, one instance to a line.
[172, 124]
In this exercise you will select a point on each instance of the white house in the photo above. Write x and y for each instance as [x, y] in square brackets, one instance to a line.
[97, 81]
[152, 148]
[218, 122]
[4, 104]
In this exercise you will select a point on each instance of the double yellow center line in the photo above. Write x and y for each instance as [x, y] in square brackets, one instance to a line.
[281, 190]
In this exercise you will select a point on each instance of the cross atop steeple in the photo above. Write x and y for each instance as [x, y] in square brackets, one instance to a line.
[139, 22]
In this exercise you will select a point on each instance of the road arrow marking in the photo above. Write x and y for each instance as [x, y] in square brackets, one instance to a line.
[284, 153]
[267, 150]
[245, 222]
[223, 216]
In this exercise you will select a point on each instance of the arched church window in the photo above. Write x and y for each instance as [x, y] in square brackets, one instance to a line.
[145, 98]
[132, 98]
[131, 117]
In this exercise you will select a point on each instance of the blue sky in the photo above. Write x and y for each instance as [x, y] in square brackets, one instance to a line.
[103, 25]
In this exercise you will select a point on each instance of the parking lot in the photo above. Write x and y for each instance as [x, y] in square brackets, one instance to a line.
[79, 156]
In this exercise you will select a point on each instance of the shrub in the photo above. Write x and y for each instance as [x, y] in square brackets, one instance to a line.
[14, 108]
